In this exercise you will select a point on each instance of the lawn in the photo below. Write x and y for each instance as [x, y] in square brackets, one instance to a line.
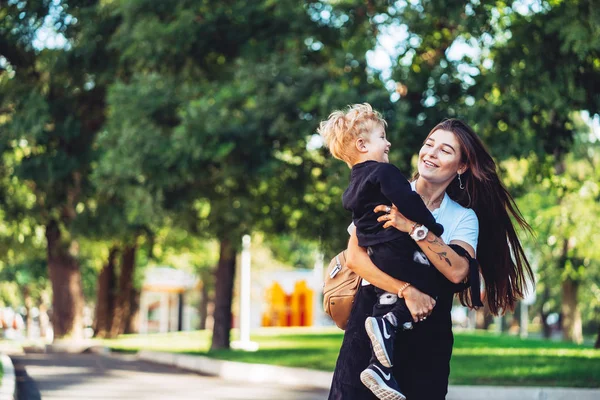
[479, 358]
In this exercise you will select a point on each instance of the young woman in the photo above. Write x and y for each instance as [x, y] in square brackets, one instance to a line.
[458, 182]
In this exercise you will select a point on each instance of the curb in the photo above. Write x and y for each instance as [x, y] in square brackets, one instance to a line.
[74, 346]
[239, 371]
[521, 393]
[262, 373]
[8, 387]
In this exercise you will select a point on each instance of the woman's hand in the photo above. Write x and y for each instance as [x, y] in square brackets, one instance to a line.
[394, 218]
[419, 304]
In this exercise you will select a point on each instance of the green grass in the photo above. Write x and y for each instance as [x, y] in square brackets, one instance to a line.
[488, 359]
[479, 358]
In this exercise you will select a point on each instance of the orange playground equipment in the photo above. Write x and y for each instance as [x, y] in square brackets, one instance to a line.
[293, 309]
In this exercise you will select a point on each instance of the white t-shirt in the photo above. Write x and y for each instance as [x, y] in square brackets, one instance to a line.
[460, 223]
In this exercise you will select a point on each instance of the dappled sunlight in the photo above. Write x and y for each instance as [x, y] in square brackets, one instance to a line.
[199, 341]
[491, 351]
[511, 360]
[173, 342]
[161, 170]
[547, 367]
[505, 359]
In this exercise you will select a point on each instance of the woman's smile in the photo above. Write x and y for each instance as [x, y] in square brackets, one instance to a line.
[429, 164]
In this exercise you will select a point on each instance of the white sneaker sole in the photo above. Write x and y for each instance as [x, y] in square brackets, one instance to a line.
[378, 386]
[376, 340]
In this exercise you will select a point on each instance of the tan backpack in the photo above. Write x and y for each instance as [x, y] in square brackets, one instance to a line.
[339, 289]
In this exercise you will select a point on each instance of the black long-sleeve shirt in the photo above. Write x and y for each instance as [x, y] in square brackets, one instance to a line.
[373, 183]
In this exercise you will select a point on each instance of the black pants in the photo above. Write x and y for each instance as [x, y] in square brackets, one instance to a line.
[425, 352]
[397, 258]
[399, 309]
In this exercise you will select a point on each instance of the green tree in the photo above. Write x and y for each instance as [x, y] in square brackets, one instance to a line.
[35, 124]
[31, 278]
[564, 211]
[213, 117]
[430, 78]
[53, 107]
[544, 69]
[123, 218]
[22, 243]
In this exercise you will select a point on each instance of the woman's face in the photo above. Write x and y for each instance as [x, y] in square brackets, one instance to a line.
[440, 158]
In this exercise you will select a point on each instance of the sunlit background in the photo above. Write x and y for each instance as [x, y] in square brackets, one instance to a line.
[141, 141]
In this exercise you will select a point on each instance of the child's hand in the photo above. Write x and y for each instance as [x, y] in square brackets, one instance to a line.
[393, 218]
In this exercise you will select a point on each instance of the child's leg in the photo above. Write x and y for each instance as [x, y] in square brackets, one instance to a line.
[402, 313]
[382, 327]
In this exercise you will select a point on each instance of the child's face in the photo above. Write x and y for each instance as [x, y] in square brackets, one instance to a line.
[377, 144]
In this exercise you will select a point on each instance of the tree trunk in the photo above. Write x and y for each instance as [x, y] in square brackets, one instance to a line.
[67, 292]
[44, 320]
[105, 300]
[484, 317]
[132, 324]
[597, 345]
[570, 313]
[203, 306]
[572, 329]
[123, 304]
[28, 300]
[223, 296]
[546, 329]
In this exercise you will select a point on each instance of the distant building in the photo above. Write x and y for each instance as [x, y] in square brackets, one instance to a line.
[163, 305]
[169, 300]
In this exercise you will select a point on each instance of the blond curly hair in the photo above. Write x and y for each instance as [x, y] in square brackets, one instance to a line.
[343, 127]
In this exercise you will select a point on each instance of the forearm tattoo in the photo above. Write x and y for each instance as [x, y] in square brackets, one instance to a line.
[443, 255]
[435, 240]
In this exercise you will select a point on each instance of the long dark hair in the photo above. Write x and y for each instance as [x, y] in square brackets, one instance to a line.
[504, 266]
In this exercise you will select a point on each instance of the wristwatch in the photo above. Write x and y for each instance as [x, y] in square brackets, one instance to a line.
[419, 232]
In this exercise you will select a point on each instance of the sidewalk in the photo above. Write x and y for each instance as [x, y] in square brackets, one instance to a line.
[260, 373]
[8, 386]
[520, 393]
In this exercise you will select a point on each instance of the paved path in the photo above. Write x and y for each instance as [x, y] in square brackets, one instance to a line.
[92, 376]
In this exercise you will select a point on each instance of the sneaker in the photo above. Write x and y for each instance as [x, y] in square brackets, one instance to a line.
[382, 334]
[381, 382]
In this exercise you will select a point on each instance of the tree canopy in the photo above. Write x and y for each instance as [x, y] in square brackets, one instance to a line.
[151, 129]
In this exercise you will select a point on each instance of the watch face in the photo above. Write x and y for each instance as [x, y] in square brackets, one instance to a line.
[421, 233]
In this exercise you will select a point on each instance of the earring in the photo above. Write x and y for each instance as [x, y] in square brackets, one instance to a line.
[460, 183]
